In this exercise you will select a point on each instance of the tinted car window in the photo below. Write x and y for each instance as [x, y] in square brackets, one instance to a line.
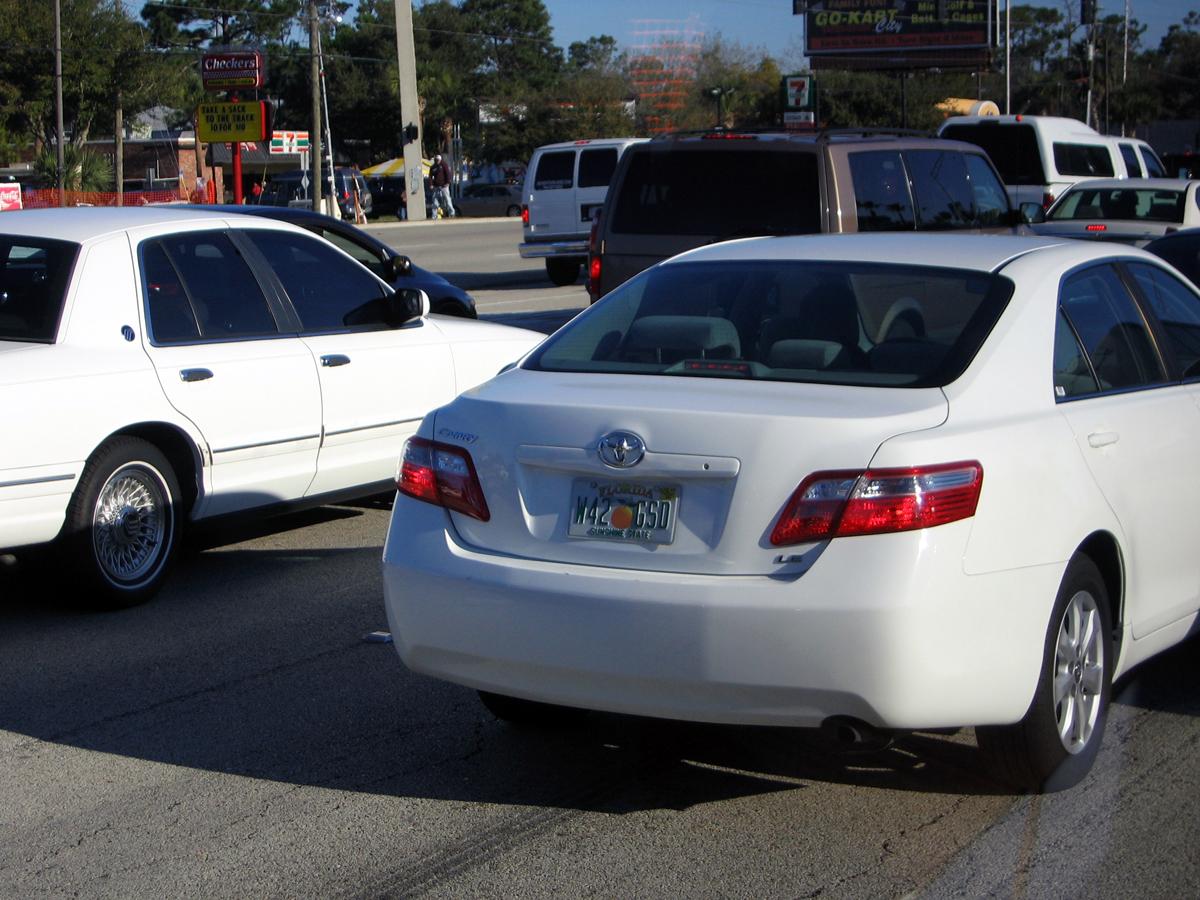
[1091, 160]
[1178, 309]
[1154, 167]
[1111, 328]
[942, 189]
[881, 192]
[706, 192]
[198, 285]
[840, 323]
[596, 167]
[1120, 203]
[1133, 168]
[991, 200]
[555, 171]
[1012, 148]
[1073, 376]
[328, 291]
[365, 255]
[33, 282]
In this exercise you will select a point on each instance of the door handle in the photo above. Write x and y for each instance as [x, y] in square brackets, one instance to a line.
[195, 374]
[1103, 438]
[335, 359]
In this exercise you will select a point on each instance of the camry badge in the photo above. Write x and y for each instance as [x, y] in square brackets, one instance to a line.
[621, 449]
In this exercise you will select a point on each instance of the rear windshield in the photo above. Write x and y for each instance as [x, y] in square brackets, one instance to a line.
[34, 274]
[1012, 148]
[718, 192]
[803, 321]
[1120, 203]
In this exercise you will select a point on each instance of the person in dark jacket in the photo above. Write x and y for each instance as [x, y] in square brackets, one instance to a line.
[439, 178]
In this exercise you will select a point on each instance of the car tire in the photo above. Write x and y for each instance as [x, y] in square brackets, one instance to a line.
[513, 211]
[1055, 744]
[529, 713]
[122, 523]
[563, 271]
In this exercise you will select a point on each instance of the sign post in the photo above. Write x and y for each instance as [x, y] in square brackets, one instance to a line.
[232, 70]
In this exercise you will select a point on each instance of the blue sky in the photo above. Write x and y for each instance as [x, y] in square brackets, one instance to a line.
[764, 23]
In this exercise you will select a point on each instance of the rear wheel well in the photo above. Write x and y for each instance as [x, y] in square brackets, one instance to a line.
[180, 452]
[1103, 550]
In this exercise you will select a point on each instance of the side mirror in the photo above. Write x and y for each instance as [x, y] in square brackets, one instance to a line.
[1032, 213]
[408, 304]
[397, 266]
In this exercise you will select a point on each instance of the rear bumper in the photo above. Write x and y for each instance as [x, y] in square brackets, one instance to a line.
[883, 629]
[542, 249]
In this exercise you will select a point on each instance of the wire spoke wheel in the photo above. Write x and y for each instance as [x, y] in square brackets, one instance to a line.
[129, 523]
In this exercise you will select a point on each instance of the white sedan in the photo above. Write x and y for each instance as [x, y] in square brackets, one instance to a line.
[163, 366]
[1133, 210]
[869, 483]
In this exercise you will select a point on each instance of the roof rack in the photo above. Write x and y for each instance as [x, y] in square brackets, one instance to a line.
[826, 134]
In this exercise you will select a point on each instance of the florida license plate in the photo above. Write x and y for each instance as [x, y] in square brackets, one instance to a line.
[623, 511]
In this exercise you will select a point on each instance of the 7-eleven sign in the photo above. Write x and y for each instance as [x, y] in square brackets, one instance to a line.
[289, 141]
[799, 90]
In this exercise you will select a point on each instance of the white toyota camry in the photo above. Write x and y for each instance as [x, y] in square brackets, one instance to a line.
[161, 366]
[869, 483]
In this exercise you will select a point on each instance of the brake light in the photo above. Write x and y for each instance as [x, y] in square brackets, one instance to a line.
[1097, 227]
[878, 501]
[443, 475]
[525, 215]
[594, 264]
[1047, 200]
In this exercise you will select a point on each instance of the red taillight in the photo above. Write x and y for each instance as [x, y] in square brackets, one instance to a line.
[878, 501]
[1047, 200]
[443, 475]
[1097, 227]
[524, 214]
[594, 264]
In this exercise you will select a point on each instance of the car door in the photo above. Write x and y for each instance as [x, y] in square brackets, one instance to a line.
[551, 201]
[224, 362]
[1137, 428]
[378, 378]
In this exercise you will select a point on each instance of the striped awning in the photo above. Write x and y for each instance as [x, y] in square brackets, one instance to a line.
[395, 166]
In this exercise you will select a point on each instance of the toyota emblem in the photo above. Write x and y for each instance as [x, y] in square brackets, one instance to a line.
[621, 449]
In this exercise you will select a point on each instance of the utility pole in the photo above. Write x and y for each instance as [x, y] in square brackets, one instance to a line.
[60, 164]
[314, 133]
[410, 111]
[119, 132]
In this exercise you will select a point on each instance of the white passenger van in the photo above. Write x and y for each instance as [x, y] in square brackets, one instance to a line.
[564, 183]
[1041, 156]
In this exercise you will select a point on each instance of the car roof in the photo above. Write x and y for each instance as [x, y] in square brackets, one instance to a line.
[1163, 184]
[79, 224]
[591, 142]
[984, 253]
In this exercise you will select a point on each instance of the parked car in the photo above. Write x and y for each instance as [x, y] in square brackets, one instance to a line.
[287, 188]
[885, 483]
[564, 184]
[387, 195]
[1039, 157]
[489, 200]
[1133, 210]
[160, 366]
[681, 191]
[395, 268]
[1181, 249]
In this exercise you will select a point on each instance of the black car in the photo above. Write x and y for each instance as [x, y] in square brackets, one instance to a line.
[388, 194]
[396, 269]
[1182, 250]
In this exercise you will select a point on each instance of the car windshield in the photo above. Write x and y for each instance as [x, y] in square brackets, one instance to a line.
[1147, 204]
[804, 321]
[34, 273]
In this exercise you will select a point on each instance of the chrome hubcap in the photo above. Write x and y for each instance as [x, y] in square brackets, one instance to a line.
[129, 525]
[1078, 672]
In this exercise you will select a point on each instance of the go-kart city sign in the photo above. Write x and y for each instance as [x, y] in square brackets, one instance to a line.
[865, 26]
[231, 70]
